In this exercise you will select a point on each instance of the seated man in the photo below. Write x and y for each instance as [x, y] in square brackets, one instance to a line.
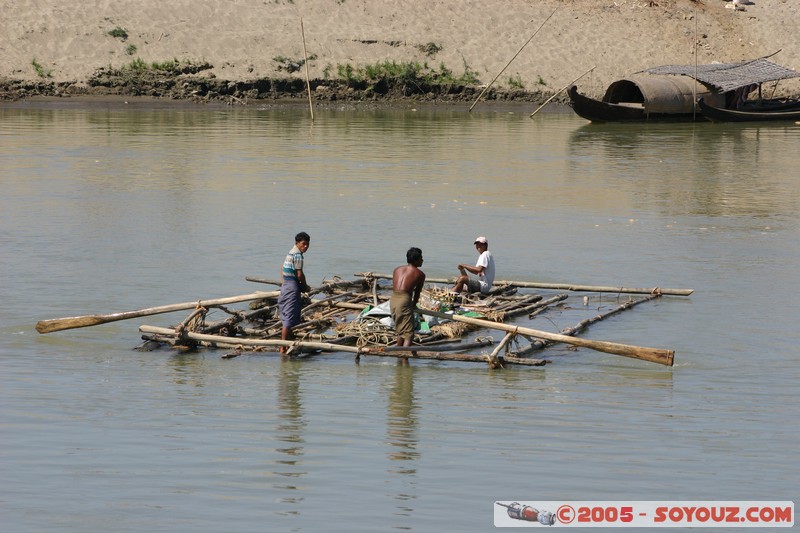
[484, 269]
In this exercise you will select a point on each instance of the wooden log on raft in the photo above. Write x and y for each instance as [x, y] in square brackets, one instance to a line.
[514, 306]
[557, 286]
[654, 355]
[503, 344]
[243, 341]
[531, 309]
[450, 347]
[237, 342]
[72, 322]
[462, 357]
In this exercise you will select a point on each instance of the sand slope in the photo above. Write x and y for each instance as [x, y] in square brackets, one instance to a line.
[243, 38]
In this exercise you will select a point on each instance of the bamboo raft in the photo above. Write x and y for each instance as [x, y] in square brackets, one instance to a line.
[348, 316]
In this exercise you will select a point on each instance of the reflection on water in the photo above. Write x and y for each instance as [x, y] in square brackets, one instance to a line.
[290, 429]
[402, 423]
[187, 368]
[401, 436]
[703, 169]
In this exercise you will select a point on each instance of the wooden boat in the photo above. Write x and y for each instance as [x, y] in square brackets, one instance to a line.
[671, 92]
[636, 108]
[768, 110]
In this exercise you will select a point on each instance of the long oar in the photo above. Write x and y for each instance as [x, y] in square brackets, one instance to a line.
[58, 324]
[654, 355]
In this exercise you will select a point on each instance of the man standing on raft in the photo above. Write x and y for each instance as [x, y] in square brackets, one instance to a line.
[484, 269]
[294, 284]
[407, 283]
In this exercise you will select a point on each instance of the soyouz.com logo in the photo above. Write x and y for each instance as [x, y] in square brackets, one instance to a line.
[758, 514]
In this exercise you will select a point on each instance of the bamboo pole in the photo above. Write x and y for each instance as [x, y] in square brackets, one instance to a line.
[492, 358]
[375, 293]
[344, 305]
[242, 341]
[654, 355]
[512, 59]
[264, 280]
[322, 288]
[583, 324]
[560, 91]
[305, 57]
[561, 286]
[596, 288]
[237, 318]
[324, 301]
[72, 322]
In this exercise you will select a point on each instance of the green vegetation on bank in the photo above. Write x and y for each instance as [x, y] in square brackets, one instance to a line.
[192, 79]
[429, 49]
[119, 33]
[515, 82]
[172, 66]
[40, 70]
[291, 65]
[140, 77]
[382, 76]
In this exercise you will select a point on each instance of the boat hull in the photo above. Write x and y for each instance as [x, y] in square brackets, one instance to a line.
[767, 112]
[599, 111]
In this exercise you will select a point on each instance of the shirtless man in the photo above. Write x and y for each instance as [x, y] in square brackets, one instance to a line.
[407, 282]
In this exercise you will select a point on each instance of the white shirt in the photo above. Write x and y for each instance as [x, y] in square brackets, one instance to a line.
[486, 261]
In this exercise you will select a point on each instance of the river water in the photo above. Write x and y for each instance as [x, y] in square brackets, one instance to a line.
[118, 206]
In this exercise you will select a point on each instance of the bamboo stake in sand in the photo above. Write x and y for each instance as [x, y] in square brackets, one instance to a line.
[512, 59]
[72, 322]
[305, 57]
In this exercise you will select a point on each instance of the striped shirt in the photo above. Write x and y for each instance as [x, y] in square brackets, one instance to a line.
[292, 263]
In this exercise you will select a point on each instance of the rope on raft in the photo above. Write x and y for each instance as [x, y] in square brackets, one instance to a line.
[368, 331]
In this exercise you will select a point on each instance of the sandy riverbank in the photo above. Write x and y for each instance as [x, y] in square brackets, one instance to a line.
[44, 41]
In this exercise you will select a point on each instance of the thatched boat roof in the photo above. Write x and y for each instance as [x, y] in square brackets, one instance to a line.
[729, 76]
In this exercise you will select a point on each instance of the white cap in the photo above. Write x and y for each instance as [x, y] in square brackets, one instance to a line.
[481, 240]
